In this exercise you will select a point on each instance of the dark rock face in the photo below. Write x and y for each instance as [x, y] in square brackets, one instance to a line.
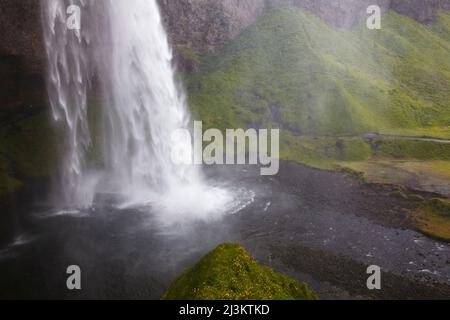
[340, 13]
[423, 11]
[344, 13]
[199, 26]
[206, 24]
[20, 29]
[203, 25]
[21, 55]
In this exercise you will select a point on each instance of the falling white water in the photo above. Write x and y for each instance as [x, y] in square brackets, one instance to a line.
[123, 45]
[68, 75]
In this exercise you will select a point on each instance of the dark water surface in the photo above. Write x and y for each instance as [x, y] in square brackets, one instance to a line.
[320, 227]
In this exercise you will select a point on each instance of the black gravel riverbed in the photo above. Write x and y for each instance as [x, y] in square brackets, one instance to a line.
[320, 227]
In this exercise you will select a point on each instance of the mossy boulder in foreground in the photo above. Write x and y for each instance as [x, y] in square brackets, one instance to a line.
[229, 273]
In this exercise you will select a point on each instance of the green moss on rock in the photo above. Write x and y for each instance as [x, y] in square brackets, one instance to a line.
[412, 149]
[27, 149]
[229, 273]
[440, 206]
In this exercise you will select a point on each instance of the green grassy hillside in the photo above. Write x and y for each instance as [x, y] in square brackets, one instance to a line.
[292, 70]
[229, 273]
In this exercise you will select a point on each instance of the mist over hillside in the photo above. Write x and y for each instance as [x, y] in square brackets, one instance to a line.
[294, 71]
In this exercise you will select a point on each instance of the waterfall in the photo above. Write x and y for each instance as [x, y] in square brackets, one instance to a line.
[123, 52]
[68, 78]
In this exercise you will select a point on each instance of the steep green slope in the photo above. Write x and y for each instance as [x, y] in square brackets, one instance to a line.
[229, 273]
[292, 70]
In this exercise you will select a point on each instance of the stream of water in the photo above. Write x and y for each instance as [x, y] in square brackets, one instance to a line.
[121, 147]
